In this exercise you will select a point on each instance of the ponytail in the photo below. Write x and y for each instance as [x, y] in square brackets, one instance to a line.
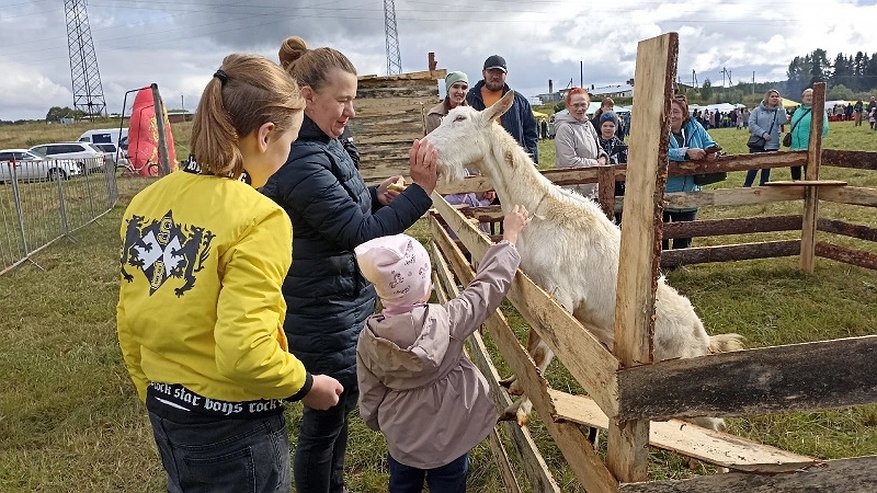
[245, 93]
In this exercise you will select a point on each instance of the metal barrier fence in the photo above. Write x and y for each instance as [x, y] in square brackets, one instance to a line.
[43, 201]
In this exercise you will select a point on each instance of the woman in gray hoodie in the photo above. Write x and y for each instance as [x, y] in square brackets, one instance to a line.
[415, 385]
[576, 139]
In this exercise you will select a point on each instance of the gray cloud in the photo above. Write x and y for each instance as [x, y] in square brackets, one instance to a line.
[178, 43]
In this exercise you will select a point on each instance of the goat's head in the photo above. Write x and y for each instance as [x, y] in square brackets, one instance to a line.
[463, 138]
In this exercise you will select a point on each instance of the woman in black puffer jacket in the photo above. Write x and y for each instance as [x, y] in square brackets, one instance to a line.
[332, 211]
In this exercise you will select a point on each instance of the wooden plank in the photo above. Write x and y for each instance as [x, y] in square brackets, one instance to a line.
[606, 190]
[682, 437]
[423, 74]
[581, 456]
[716, 227]
[847, 255]
[734, 196]
[739, 162]
[851, 195]
[588, 361]
[811, 193]
[847, 229]
[640, 254]
[808, 183]
[854, 475]
[728, 253]
[796, 377]
[850, 159]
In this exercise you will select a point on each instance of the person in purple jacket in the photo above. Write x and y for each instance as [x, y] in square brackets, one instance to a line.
[416, 386]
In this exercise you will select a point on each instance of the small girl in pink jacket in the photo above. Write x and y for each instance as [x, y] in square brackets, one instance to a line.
[416, 386]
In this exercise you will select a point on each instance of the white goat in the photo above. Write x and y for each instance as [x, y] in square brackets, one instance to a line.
[570, 248]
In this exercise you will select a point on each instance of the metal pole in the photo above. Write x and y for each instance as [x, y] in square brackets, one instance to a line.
[16, 197]
[581, 73]
[65, 227]
[163, 155]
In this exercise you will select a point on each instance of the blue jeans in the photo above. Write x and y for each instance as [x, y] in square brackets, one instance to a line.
[750, 175]
[224, 455]
[322, 442]
[450, 478]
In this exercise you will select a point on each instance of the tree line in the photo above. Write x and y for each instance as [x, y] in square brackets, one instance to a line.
[847, 76]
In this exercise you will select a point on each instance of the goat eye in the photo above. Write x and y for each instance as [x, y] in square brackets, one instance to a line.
[459, 118]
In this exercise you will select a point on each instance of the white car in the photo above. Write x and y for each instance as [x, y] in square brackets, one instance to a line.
[85, 155]
[28, 166]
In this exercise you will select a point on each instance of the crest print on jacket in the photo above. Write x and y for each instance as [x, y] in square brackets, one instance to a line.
[163, 249]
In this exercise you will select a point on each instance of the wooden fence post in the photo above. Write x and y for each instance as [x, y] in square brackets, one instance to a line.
[811, 193]
[640, 254]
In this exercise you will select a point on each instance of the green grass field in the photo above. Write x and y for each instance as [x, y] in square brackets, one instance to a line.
[70, 420]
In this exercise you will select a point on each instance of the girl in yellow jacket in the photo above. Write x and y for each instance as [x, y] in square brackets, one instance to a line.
[200, 313]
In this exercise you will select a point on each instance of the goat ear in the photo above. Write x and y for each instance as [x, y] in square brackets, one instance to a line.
[500, 107]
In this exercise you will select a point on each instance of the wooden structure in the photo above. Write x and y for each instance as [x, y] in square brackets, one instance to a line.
[390, 114]
[639, 403]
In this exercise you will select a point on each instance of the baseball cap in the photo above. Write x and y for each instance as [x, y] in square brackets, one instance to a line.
[495, 61]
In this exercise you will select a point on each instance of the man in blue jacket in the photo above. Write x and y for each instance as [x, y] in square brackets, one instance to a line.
[518, 120]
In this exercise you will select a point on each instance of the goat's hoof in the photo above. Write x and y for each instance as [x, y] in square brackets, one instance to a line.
[507, 415]
[507, 382]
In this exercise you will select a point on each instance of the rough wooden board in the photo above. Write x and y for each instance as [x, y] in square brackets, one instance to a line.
[640, 254]
[735, 196]
[807, 183]
[587, 360]
[850, 159]
[855, 475]
[721, 449]
[795, 377]
[847, 229]
[740, 162]
[423, 74]
[727, 253]
[846, 255]
[716, 227]
[851, 195]
[811, 174]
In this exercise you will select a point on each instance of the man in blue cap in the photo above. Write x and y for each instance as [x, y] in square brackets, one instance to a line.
[518, 120]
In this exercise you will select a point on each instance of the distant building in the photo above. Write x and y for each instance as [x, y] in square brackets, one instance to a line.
[180, 116]
[624, 90]
[549, 97]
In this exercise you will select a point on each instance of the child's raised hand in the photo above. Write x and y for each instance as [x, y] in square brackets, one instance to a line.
[324, 393]
[514, 222]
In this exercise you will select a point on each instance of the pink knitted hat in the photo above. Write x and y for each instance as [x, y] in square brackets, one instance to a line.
[399, 267]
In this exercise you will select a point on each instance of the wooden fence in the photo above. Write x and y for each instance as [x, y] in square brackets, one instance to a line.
[639, 403]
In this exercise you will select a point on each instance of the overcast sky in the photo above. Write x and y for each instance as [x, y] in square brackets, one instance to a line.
[179, 43]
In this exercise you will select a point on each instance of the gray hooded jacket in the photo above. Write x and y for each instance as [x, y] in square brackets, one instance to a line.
[416, 386]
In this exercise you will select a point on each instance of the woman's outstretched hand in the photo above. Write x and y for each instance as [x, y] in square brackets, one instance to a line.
[422, 158]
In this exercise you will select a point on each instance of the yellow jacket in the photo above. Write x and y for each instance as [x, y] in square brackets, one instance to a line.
[200, 305]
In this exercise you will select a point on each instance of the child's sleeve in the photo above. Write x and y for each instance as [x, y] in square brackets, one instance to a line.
[371, 394]
[486, 291]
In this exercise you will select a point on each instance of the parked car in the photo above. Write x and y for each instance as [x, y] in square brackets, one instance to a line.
[104, 135]
[113, 154]
[85, 155]
[29, 166]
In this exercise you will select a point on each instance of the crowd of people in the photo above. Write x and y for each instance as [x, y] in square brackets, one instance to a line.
[283, 274]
